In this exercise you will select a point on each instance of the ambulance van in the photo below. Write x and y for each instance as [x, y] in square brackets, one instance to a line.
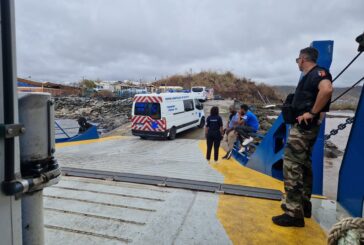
[166, 114]
[200, 93]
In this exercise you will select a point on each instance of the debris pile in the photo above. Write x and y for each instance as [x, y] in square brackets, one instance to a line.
[107, 114]
[265, 122]
[331, 150]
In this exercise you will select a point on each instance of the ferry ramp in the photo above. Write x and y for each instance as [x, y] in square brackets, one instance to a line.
[95, 207]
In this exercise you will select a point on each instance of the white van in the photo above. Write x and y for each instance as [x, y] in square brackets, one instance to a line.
[165, 114]
[199, 92]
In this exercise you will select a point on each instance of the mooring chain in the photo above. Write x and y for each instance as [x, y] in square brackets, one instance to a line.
[341, 126]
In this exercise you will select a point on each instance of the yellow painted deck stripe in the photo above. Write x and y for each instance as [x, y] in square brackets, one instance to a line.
[248, 220]
[84, 142]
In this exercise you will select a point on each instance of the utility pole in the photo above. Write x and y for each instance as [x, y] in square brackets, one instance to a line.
[10, 207]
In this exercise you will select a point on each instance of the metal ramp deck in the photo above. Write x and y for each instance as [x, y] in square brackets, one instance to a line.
[89, 211]
[104, 210]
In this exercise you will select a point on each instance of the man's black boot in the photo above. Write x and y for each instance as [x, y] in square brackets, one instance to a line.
[288, 221]
[307, 208]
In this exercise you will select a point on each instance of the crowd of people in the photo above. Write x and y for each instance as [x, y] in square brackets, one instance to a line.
[242, 125]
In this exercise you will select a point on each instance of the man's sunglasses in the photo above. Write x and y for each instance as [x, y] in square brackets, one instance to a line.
[299, 58]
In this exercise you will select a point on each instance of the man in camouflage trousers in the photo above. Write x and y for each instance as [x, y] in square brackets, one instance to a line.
[312, 97]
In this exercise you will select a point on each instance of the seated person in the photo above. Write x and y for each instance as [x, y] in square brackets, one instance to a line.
[84, 125]
[230, 134]
[247, 124]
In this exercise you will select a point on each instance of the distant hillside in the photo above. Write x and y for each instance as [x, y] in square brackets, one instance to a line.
[349, 100]
[226, 85]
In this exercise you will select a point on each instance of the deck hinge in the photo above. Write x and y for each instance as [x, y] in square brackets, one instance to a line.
[9, 131]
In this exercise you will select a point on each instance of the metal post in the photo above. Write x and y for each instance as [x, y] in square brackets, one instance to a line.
[36, 156]
[32, 218]
[10, 207]
[9, 76]
[21, 197]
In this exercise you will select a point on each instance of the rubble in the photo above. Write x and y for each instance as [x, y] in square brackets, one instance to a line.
[331, 150]
[108, 114]
[265, 122]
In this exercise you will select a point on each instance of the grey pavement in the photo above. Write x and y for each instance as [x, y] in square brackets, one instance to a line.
[180, 158]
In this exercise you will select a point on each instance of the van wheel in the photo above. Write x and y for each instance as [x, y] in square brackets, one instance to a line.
[202, 123]
[143, 137]
[172, 133]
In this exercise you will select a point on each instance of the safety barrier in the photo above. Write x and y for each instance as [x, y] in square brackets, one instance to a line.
[351, 180]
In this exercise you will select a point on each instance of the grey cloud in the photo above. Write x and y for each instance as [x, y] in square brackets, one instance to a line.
[140, 39]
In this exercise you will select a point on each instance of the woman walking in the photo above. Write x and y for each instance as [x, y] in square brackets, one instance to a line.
[213, 132]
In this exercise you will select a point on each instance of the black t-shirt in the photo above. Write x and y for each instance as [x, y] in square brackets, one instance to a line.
[307, 89]
[214, 123]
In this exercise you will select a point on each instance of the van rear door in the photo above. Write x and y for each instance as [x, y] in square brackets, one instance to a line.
[147, 117]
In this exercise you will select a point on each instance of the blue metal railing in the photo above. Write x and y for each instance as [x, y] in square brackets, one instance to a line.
[59, 128]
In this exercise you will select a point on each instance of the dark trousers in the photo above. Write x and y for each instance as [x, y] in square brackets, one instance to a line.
[245, 131]
[213, 140]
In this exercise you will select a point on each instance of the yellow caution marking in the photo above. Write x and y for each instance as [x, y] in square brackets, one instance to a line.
[318, 197]
[237, 174]
[84, 142]
[248, 220]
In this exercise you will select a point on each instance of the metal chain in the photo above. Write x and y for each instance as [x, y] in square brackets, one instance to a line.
[341, 126]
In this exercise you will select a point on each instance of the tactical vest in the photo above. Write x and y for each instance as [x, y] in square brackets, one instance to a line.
[305, 95]
[307, 89]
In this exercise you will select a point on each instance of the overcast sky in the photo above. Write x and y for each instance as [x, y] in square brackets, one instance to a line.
[65, 40]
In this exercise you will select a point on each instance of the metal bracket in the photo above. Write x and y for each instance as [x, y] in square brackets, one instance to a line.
[360, 40]
[9, 131]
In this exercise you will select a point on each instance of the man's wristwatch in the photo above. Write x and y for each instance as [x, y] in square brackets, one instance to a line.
[313, 114]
